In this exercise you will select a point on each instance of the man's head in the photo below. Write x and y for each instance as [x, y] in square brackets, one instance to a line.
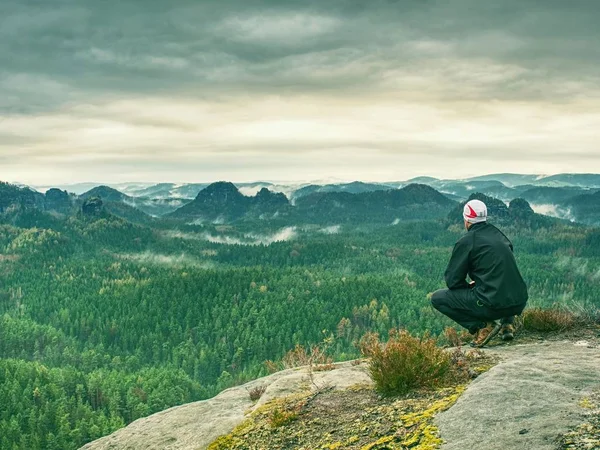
[474, 211]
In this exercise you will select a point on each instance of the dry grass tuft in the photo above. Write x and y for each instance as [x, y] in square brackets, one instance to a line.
[257, 392]
[301, 356]
[314, 356]
[555, 319]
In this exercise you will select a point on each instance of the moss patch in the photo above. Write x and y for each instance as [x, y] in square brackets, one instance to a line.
[355, 418]
[586, 435]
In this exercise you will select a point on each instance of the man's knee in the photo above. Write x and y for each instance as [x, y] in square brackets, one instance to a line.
[439, 298]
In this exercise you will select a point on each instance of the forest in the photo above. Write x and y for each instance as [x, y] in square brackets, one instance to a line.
[103, 321]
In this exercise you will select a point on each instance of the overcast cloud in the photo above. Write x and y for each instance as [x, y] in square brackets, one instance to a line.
[294, 90]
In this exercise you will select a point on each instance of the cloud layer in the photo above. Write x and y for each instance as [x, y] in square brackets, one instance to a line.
[245, 90]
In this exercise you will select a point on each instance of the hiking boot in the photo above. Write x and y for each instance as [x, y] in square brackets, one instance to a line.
[485, 335]
[507, 332]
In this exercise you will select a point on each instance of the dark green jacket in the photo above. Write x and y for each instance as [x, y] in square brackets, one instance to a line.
[486, 255]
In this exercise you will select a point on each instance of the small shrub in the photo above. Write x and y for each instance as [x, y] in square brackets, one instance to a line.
[405, 362]
[324, 367]
[538, 319]
[314, 356]
[297, 357]
[257, 392]
[272, 366]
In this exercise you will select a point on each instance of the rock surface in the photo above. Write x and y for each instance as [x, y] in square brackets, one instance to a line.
[195, 425]
[530, 398]
[526, 401]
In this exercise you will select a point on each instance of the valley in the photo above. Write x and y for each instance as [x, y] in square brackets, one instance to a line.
[109, 312]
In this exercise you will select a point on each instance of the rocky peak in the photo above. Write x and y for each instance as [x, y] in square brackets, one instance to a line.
[12, 195]
[220, 192]
[92, 206]
[520, 208]
[267, 196]
[106, 193]
[57, 200]
[55, 194]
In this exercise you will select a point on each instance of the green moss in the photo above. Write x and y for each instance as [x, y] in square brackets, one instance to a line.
[350, 419]
[378, 443]
[280, 417]
[586, 403]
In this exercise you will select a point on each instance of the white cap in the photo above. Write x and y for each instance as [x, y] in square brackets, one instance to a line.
[475, 211]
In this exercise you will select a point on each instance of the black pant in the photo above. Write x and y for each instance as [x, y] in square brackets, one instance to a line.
[462, 306]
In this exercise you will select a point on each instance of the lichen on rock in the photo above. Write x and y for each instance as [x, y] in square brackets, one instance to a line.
[355, 418]
[587, 434]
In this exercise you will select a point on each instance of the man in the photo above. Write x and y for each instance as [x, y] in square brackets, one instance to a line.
[497, 293]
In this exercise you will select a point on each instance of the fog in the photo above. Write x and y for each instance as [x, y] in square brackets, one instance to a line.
[166, 260]
[553, 211]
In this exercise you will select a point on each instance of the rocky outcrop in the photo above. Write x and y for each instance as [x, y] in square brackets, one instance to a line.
[222, 201]
[92, 206]
[528, 400]
[12, 196]
[194, 426]
[58, 200]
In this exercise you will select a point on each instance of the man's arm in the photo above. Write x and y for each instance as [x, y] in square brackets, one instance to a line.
[458, 267]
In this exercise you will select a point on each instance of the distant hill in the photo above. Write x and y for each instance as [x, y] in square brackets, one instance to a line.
[159, 190]
[169, 190]
[28, 208]
[422, 180]
[464, 189]
[501, 192]
[415, 201]
[149, 206]
[106, 193]
[584, 208]
[25, 197]
[222, 201]
[589, 180]
[12, 195]
[356, 187]
[552, 195]
[127, 212]
[518, 212]
[509, 179]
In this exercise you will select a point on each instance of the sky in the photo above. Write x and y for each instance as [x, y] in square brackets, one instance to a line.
[245, 90]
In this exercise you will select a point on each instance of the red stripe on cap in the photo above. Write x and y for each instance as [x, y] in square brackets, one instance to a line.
[472, 214]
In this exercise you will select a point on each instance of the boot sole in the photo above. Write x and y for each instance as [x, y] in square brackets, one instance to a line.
[490, 336]
[507, 337]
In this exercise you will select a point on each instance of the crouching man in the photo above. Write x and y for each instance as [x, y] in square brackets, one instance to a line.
[487, 305]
